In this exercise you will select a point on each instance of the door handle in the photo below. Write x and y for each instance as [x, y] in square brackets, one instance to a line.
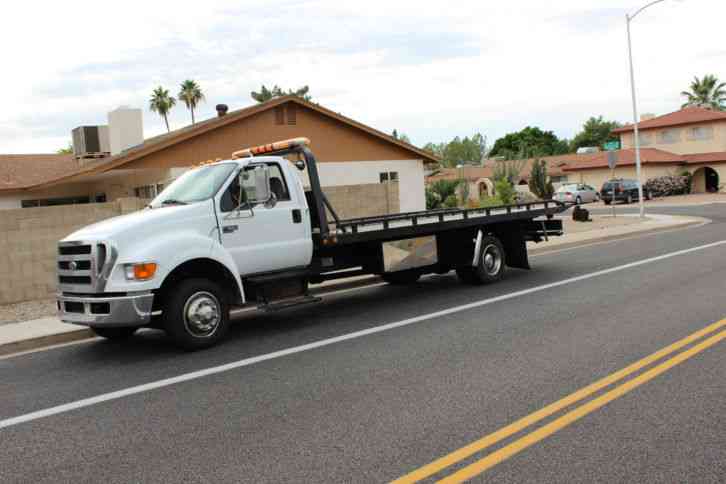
[296, 216]
[228, 229]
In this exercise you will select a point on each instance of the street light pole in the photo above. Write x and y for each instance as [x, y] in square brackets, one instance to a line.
[628, 19]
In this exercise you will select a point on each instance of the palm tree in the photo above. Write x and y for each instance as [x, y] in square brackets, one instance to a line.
[707, 93]
[162, 103]
[191, 94]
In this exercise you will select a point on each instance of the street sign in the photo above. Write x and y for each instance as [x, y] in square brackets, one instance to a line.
[612, 159]
[611, 145]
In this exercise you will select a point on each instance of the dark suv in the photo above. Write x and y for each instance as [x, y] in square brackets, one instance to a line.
[625, 191]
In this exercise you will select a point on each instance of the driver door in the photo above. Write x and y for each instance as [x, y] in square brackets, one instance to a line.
[265, 237]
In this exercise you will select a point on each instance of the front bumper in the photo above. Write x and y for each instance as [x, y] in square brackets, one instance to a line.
[116, 311]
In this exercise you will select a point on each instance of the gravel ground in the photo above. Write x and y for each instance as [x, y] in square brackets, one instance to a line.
[25, 311]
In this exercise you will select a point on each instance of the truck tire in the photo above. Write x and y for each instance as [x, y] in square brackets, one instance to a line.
[196, 314]
[401, 278]
[115, 334]
[491, 264]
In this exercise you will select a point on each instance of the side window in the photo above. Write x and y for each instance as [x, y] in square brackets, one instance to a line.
[232, 197]
[278, 184]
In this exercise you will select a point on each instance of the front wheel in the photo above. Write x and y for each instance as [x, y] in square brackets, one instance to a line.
[115, 334]
[490, 267]
[578, 200]
[629, 200]
[196, 314]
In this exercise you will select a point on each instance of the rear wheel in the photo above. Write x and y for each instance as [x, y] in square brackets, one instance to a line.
[115, 334]
[578, 200]
[401, 278]
[606, 202]
[629, 200]
[490, 267]
[196, 314]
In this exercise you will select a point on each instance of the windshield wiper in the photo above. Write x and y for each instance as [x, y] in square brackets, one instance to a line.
[172, 201]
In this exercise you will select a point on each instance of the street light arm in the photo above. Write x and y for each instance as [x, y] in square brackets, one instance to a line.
[631, 17]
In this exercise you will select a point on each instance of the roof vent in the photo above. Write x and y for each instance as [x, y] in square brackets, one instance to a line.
[221, 109]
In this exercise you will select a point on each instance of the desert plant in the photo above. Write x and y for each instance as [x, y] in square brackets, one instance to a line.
[451, 202]
[539, 182]
[664, 186]
[508, 170]
[438, 192]
[505, 191]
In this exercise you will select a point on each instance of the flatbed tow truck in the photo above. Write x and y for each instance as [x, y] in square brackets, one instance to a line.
[245, 232]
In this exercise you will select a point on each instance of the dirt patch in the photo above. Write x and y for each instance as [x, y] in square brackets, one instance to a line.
[26, 311]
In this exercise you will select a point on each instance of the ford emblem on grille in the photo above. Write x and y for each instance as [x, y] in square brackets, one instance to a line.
[72, 265]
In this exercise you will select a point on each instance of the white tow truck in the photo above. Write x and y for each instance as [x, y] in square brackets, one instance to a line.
[245, 231]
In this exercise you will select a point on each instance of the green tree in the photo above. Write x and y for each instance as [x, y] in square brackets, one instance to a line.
[595, 132]
[161, 103]
[265, 94]
[67, 150]
[707, 92]
[401, 136]
[539, 183]
[191, 94]
[460, 151]
[529, 142]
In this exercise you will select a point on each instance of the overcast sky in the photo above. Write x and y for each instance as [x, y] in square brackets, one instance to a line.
[431, 70]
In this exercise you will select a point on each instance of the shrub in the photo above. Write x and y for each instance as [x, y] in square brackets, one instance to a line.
[505, 191]
[451, 201]
[664, 186]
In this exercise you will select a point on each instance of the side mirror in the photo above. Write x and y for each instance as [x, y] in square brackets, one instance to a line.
[256, 184]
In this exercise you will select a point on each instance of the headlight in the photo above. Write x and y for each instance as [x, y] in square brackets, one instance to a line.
[140, 272]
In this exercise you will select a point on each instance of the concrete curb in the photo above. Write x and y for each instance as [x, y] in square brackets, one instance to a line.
[45, 341]
[614, 237]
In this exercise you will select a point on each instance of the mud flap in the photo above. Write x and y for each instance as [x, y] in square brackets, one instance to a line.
[515, 246]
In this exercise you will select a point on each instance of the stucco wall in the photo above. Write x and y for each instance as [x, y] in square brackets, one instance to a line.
[685, 144]
[28, 244]
[29, 236]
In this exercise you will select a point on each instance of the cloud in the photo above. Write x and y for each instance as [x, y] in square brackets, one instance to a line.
[428, 69]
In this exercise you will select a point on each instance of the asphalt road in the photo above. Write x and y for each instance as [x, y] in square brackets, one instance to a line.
[378, 406]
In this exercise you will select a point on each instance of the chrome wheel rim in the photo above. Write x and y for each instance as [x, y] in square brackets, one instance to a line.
[202, 314]
[492, 259]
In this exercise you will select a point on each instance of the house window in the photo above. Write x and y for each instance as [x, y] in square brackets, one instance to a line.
[49, 202]
[291, 114]
[558, 179]
[388, 176]
[646, 139]
[700, 133]
[668, 136]
[279, 115]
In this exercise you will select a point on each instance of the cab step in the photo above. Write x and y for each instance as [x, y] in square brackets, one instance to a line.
[289, 303]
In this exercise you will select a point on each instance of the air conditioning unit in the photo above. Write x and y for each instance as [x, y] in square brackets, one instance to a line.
[91, 142]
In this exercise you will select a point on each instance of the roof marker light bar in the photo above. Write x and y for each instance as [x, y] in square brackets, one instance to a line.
[269, 148]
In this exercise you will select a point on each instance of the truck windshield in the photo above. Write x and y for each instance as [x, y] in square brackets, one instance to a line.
[195, 185]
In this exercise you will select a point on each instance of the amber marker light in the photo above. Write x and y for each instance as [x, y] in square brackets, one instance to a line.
[140, 272]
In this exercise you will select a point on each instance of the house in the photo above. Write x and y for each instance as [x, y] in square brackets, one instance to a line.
[349, 153]
[692, 139]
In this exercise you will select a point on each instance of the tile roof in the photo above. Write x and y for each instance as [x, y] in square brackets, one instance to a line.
[688, 115]
[713, 157]
[625, 158]
[18, 171]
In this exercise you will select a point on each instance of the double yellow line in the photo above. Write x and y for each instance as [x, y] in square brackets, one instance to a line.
[543, 432]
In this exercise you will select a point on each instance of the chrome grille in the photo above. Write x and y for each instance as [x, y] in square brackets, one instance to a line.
[83, 267]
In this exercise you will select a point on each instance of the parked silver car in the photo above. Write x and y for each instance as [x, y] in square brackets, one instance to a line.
[576, 193]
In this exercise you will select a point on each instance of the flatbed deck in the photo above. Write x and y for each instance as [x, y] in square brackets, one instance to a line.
[429, 222]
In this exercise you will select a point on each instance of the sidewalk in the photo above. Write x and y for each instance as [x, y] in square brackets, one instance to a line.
[693, 200]
[38, 333]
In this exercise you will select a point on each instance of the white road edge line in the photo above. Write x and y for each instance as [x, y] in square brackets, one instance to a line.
[87, 402]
